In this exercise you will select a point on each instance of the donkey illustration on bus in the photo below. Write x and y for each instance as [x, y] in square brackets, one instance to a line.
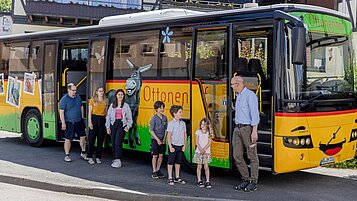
[132, 97]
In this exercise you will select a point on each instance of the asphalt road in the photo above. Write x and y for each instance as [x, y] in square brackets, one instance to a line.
[136, 171]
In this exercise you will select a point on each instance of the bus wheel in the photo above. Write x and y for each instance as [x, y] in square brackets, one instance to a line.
[32, 128]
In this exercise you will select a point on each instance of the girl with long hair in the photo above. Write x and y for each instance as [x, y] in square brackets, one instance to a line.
[203, 151]
[118, 122]
[98, 105]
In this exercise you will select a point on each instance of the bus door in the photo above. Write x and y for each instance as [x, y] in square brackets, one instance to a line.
[49, 97]
[210, 85]
[96, 74]
[73, 69]
[252, 60]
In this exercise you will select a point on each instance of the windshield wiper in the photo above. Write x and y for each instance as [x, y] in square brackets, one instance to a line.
[348, 93]
[309, 101]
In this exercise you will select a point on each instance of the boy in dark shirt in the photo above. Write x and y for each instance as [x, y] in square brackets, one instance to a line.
[158, 126]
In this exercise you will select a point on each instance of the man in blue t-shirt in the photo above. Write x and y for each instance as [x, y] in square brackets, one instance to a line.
[72, 115]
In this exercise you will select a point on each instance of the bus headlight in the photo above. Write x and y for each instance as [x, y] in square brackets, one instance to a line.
[353, 135]
[298, 142]
[307, 141]
[290, 140]
[302, 142]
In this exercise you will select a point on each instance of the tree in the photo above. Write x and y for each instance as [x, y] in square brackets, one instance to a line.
[5, 5]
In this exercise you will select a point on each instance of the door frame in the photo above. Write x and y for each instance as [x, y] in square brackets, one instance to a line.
[106, 58]
[230, 48]
[55, 98]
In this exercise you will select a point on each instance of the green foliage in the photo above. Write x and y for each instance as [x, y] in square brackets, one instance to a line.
[5, 5]
[350, 164]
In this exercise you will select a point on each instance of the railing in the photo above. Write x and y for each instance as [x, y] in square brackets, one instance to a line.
[123, 4]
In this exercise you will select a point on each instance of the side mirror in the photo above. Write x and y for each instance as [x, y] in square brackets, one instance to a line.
[298, 44]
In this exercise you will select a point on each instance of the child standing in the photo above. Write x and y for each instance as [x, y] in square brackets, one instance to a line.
[118, 121]
[158, 126]
[203, 151]
[176, 139]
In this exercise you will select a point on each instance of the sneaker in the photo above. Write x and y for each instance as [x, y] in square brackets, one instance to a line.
[252, 186]
[84, 156]
[155, 175]
[159, 173]
[98, 160]
[91, 161]
[67, 159]
[179, 180]
[116, 163]
[242, 185]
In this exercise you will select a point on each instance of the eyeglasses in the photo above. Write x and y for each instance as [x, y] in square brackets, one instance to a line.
[73, 89]
[234, 83]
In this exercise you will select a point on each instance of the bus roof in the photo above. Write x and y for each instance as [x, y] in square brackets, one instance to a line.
[152, 15]
[168, 15]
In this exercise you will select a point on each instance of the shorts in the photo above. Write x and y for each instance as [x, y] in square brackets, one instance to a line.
[176, 156]
[202, 158]
[73, 128]
[157, 149]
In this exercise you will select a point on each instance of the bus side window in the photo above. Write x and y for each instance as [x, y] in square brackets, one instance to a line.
[19, 56]
[175, 56]
[4, 66]
[141, 48]
[36, 59]
[5, 57]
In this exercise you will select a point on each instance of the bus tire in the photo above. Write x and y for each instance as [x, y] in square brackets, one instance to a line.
[32, 128]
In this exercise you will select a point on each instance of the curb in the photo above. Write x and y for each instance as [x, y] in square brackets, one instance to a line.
[106, 193]
[334, 172]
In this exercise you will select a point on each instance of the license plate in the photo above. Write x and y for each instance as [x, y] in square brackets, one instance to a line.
[327, 160]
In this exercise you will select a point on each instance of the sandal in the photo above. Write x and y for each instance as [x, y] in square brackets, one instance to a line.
[170, 182]
[179, 180]
[200, 184]
[208, 185]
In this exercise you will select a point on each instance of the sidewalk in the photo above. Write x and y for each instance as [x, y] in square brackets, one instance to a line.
[334, 172]
[42, 179]
[44, 168]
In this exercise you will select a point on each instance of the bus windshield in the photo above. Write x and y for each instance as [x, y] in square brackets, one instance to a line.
[326, 81]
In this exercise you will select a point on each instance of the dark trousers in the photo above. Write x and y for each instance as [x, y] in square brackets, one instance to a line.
[98, 133]
[117, 134]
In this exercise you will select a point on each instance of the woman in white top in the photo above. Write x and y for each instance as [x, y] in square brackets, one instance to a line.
[203, 151]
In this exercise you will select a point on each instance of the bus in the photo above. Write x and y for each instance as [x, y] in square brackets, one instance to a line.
[298, 60]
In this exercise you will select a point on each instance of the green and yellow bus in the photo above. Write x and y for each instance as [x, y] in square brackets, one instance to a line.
[298, 59]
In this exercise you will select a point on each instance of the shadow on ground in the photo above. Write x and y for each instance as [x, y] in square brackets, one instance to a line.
[136, 171]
